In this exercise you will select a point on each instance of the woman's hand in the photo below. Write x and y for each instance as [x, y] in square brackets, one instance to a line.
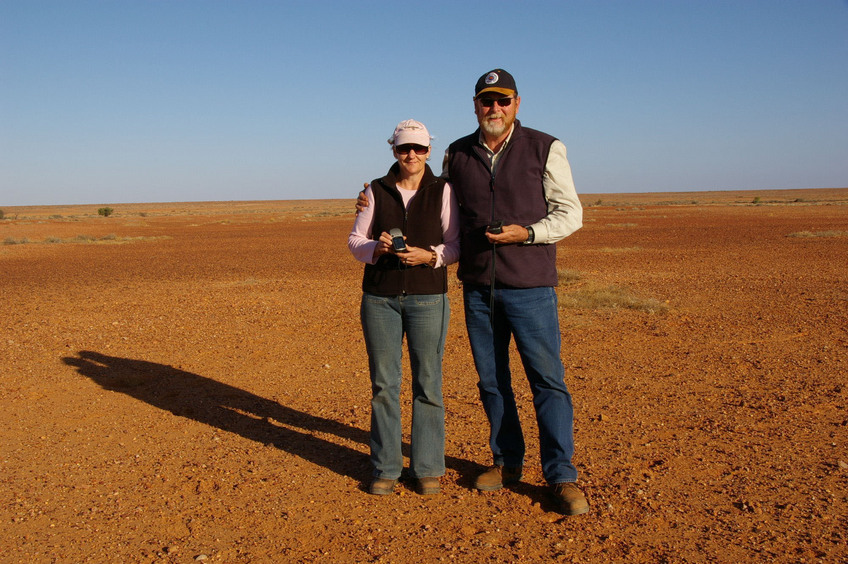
[384, 245]
[413, 256]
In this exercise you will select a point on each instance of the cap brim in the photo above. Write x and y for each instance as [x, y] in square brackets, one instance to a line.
[504, 91]
[417, 137]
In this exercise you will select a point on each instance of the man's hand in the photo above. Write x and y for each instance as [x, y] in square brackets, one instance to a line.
[362, 202]
[510, 234]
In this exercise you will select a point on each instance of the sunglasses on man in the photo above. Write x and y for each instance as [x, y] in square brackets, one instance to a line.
[489, 102]
[407, 147]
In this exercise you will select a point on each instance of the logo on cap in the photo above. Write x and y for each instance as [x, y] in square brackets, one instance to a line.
[491, 78]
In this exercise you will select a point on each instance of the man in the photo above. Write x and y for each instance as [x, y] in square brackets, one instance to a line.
[506, 173]
[516, 200]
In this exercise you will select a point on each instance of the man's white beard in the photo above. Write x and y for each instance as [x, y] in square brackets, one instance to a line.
[495, 130]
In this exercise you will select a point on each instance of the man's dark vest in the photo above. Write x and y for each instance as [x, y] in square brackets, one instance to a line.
[515, 195]
[422, 225]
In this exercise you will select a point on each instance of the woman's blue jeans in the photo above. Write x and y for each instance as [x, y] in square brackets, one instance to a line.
[530, 315]
[424, 321]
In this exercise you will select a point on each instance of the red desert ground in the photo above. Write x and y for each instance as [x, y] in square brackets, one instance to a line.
[188, 382]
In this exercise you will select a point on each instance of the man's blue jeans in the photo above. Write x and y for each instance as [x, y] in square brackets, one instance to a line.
[530, 315]
[424, 321]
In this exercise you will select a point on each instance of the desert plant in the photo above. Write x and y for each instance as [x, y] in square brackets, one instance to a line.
[819, 234]
[592, 296]
[105, 212]
[567, 276]
[756, 200]
[2, 215]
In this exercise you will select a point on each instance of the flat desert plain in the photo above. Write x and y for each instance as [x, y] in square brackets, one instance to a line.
[188, 382]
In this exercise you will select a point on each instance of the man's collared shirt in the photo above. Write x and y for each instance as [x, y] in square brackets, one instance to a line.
[565, 213]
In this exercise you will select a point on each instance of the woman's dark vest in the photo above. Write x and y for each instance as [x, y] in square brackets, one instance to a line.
[420, 222]
[515, 195]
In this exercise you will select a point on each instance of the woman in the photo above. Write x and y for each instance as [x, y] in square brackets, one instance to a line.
[405, 292]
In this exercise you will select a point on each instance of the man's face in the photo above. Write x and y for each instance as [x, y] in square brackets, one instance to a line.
[495, 119]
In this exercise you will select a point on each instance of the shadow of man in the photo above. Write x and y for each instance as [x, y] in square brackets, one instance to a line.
[234, 410]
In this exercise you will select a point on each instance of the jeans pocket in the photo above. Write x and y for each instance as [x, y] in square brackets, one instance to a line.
[375, 299]
[427, 299]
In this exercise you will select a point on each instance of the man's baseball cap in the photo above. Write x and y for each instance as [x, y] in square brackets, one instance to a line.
[497, 80]
[410, 131]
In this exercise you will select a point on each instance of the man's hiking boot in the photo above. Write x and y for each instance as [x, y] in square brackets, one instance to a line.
[497, 477]
[570, 499]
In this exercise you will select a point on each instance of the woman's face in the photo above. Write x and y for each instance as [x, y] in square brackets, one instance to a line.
[411, 158]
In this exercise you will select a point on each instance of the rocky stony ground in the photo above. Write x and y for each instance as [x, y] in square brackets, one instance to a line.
[188, 382]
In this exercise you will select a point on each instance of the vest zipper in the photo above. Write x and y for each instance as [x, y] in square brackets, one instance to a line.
[404, 267]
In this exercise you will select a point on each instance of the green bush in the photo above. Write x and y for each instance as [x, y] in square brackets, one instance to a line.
[105, 212]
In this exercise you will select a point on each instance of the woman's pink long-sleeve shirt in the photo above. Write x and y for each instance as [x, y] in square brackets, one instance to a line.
[362, 246]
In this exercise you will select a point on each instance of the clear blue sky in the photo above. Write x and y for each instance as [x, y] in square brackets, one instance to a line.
[150, 101]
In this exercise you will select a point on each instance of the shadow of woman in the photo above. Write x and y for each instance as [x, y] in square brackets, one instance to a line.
[228, 408]
[231, 409]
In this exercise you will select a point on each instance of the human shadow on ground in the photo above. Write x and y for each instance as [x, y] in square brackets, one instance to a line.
[236, 411]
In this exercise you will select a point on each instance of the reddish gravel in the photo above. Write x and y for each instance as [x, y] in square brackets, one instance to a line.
[188, 382]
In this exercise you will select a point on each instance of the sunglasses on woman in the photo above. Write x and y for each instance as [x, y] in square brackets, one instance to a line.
[489, 102]
[407, 147]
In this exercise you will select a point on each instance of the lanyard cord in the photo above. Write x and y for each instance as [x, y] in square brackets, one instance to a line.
[492, 290]
[494, 256]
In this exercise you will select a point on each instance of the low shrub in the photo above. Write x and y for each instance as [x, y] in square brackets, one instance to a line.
[610, 297]
[566, 276]
[819, 234]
